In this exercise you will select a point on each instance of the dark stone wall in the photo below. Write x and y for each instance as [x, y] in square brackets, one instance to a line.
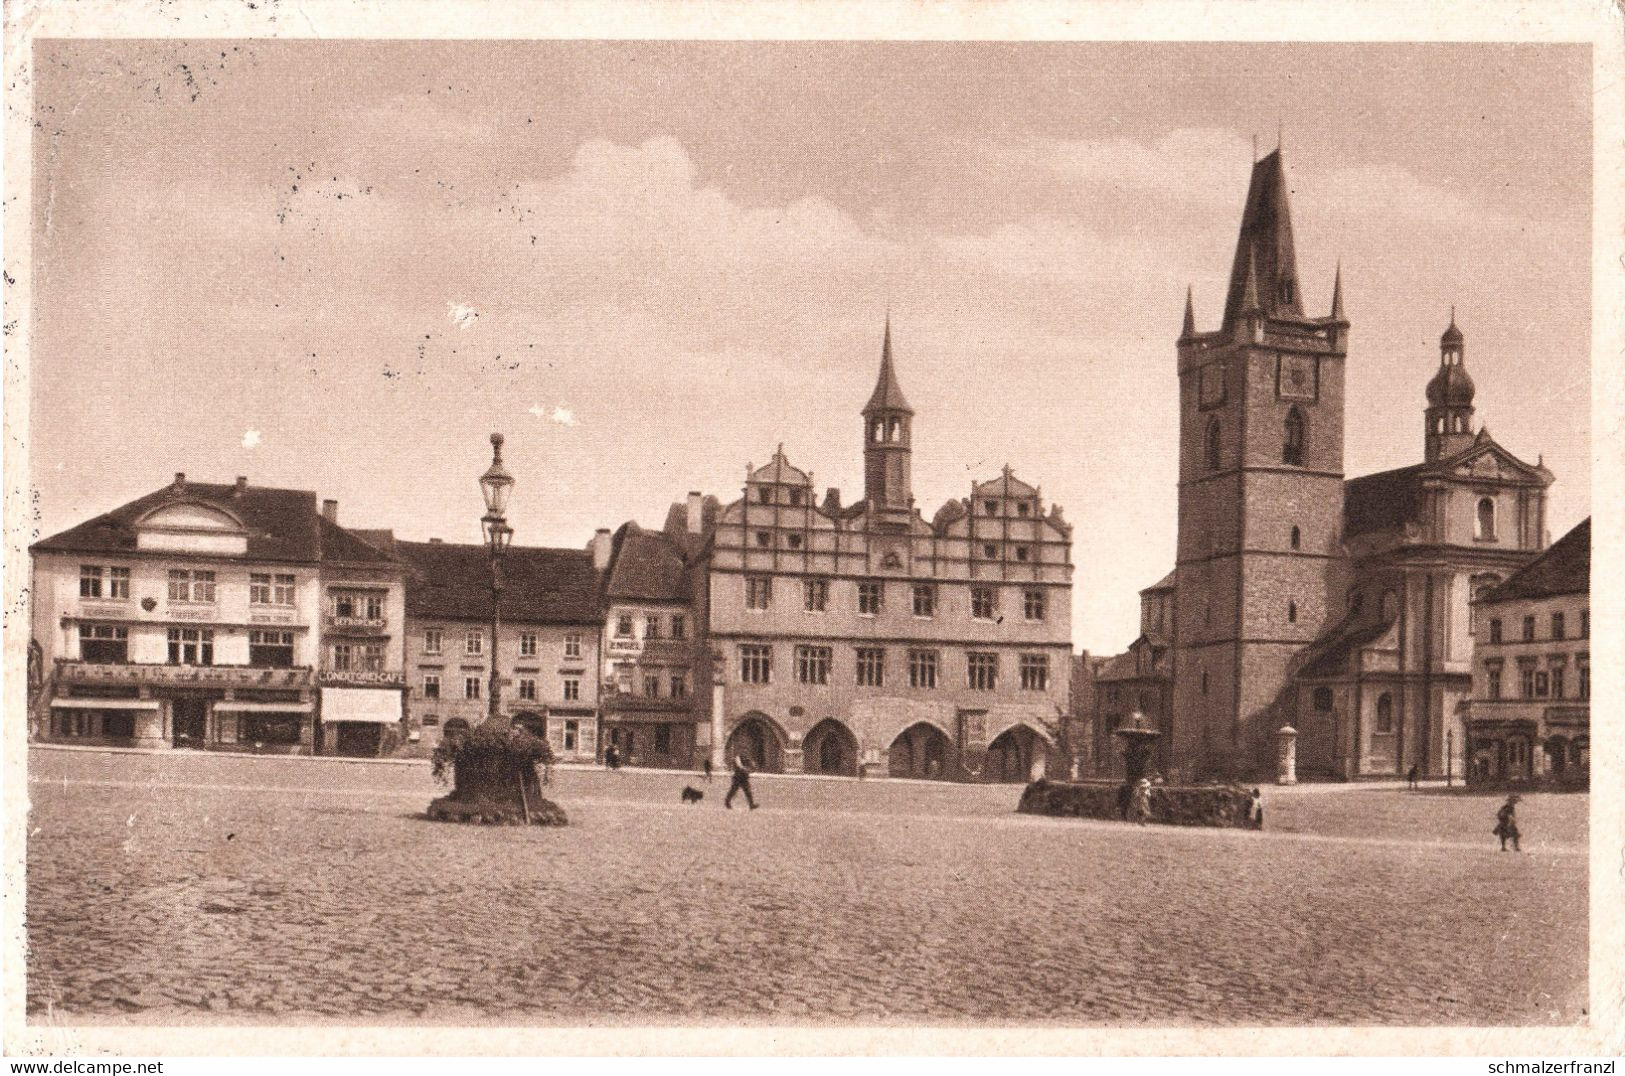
[1173, 805]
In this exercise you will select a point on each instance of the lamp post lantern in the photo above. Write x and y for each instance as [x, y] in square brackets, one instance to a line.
[495, 485]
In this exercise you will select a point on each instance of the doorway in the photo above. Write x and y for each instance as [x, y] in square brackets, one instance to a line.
[189, 720]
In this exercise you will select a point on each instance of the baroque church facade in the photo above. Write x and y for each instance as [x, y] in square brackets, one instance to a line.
[864, 638]
[1300, 597]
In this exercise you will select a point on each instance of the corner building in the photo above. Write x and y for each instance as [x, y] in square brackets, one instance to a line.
[866, 636]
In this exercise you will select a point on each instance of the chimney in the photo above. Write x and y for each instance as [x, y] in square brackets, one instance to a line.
[180, 479]
[436, 541]
[600, 549]
[242, 486]
[330, 511]
[696, 512]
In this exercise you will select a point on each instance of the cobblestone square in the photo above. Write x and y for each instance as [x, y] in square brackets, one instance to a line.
[234, 889]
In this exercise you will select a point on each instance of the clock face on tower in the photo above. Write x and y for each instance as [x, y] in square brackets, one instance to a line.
[1296, 378]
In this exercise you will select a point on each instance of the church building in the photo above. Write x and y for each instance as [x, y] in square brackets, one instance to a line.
[865, 638]
[1340, 606]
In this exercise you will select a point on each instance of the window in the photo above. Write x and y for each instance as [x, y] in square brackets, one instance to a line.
[1528, 629]
[663, 732]
[118, 582]
[795, 497]
[1385, 714]
[1292, 439]
[572, 689]
[983, 603]
[180, 585]
[104, 644]
[1526, 681]
[982, 671]
[191, 646]
[433, 640]
[1204, 681]
[202, 586]
[793, 541]
[623, 626]
[1585, 623]
[471, 687]
[1557, 682]
[1492, 681]
[925, 600]
[1213, 444]
[1543, 684]
[870, 598]
[1291, 612]
[1035, 672]
[651, 627]
[764, 494]
[267, 589]
[990, 551]
[527, 644]
[572, 645]
[1583, 672]
[679, 685]
[755, 664]
[431, 720]
[1485, 525]
[270, 649]
[871, 666]
[474, 642]
[343, 603]
[527, 688]
[374, 604]
[651, 685]
[815, 595]
[764, 539]
[1323, 700]
[1022, 508]
[922, 668]
[1557, 625]
[343, 659]
[372, 657]
[269, 729]
[679, 626]
[90, 581]
[758, 592]
[282, 589]
[812, 664]
[431, 685]
[1022, 552]
[1297, 538]
[572, 735]
[992, 507]
[1034, 604]
[1495, 630]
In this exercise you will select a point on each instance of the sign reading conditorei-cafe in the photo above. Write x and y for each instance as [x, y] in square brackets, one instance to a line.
[361, 678]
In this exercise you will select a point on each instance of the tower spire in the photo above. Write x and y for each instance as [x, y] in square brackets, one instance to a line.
[1190, 314]
[888, 394]
[1266, 243]
[1337, 294]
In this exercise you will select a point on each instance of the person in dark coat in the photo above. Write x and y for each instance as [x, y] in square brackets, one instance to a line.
[1255, 809]
[1411, 777]
[741, 783]
[612, 757]
[1506, 824]
[707, 769]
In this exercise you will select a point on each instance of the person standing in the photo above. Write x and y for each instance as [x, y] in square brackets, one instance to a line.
[741, 783]
[1506, 824]
[1411, 777]
[1140, 804]
[707, 768]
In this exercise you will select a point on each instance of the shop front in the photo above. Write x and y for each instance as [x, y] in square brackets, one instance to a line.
[360, 721]
[662, 737]
[573, 734]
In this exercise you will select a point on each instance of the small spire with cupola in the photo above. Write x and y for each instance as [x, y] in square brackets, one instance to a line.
[887, 430]
[1449, 414]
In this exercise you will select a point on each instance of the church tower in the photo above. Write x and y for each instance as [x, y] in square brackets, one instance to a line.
[1450, 399]
[887, 419]
[1260, 570]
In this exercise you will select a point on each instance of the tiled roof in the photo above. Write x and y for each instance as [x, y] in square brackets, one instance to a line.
[1565, 568]
[1119, 667]
[1264, 250]
[778, 470]
[540, 586]
[282, 525]
[1382, 501]
[1165, 583]
[1332, 656]
[646, 566]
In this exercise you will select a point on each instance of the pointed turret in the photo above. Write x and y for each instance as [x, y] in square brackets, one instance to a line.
[1337, 296]
[888, 395]
[1264, 250]
[1190, 315]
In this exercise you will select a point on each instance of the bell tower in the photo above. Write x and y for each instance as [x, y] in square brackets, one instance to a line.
[1449, 414]
[887, 422]
[1260, 568]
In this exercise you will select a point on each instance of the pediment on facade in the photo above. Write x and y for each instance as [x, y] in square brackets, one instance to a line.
[191, 516]
[1487, 461]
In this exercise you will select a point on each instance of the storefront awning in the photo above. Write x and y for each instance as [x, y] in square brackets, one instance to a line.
[105, 704]
[361, 704]
[262, 707]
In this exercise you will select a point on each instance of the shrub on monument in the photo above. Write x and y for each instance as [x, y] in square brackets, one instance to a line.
[492, 769]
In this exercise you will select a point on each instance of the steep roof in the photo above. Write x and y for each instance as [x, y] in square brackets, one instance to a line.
[1119, 667]
[778, 470]
[1382, 501]
[888, 394]
[1264, 251]
[1565, 568]
[1331, 657]
[540, 586]
[645, 566]
[282, 525]
[1165, 583]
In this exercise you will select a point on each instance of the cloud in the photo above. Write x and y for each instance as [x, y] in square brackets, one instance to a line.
[562, 415]
[462, 315]
[251, 438]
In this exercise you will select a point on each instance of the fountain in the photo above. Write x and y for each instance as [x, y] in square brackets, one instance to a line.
[1138, 740]
[493, 773]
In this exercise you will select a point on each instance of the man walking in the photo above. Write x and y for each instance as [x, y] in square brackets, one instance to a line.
[1412, 777]
[741, 783]
[1506, 824]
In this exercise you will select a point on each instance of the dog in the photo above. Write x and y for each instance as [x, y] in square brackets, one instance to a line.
[692, 794]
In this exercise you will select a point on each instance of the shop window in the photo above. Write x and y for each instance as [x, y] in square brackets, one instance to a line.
[270, 649]
[104, 644]
[262, 729]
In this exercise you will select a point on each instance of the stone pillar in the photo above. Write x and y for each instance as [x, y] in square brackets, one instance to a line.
[1287, 756]
[718, 744]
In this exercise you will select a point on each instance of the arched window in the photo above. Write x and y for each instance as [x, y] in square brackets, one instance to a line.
[1323, 699]
[878, 431]
[1292, 444]
[1297, 538]
[892, 429]
[1291, 612]
[1486, 519]
[1213, 445]
[1390, 605]
[1204, 681]
[1385, 713]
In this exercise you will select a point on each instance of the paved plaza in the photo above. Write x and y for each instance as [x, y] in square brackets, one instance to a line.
[173, 888]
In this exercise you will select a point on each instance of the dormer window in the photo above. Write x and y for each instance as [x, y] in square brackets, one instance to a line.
[992, 507]
[990, 551]
[764, 539]
[1022, 508]
[795, 497]
[793, 541]
[764, 494]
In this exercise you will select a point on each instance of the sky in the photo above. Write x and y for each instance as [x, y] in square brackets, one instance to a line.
[338, 266]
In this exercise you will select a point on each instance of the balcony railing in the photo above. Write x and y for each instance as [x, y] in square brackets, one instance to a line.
[356, 625]
[72, 671]
[625, 702]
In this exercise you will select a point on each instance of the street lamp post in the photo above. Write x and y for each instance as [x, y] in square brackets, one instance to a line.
[496, 484]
